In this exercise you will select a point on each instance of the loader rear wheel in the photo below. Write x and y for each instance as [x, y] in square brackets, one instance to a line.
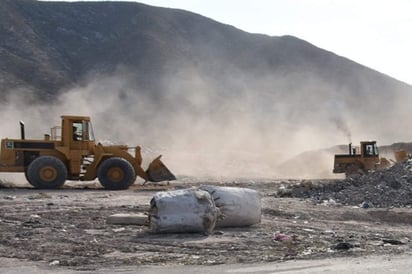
[116, 173]
[46, 172]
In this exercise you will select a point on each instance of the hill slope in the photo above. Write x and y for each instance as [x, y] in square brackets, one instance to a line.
[49, 45]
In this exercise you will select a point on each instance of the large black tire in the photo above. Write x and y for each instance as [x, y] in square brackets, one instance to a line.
[116, 173]
[46, 172]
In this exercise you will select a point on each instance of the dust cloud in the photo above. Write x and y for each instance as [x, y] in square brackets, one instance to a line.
[247, 127]
[343, 127]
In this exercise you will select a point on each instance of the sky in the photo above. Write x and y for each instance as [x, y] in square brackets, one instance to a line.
[374, 33]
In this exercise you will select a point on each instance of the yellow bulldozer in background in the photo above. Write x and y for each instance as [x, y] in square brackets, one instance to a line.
[361, 160]
[70, 152]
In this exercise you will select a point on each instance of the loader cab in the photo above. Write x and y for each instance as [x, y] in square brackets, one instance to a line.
[369, 154]
[369, 149]
[77, 132]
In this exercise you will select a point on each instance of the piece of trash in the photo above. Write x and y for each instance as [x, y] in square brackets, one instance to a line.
[392, 242]
[329, 202]
[40, 195]
[343, 246]
[280, 237]
[119, 229]
[55, 262]
[307, 252]
[9, 197]
[364, 205]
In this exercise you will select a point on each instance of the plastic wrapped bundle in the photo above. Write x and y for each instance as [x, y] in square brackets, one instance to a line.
[184, 210]
[238, 206]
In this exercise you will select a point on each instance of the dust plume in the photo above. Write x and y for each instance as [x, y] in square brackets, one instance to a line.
[244, 127]
[343, 127]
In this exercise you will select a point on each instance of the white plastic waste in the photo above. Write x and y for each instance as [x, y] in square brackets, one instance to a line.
[184, 210]
[238, 206]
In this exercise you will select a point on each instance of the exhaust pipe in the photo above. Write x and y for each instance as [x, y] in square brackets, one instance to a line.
[22, 132]
[350, 148]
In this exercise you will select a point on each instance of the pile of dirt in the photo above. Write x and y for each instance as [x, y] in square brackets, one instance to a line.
[391, 187]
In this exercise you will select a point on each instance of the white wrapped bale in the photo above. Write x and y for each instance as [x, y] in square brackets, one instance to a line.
[184, 210]
[238, 206]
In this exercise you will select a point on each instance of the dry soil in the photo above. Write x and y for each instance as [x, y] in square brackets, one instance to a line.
[67, 227]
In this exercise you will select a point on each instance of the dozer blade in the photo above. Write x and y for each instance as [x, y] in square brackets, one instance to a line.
[158, 172]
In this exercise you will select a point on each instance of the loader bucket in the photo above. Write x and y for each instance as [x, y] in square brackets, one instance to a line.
[158, 172]
[401, 155]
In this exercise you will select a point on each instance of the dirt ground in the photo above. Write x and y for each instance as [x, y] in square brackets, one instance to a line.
[67, 227]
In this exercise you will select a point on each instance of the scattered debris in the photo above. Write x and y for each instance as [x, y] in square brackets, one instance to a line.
[40, 195]
[390, 187]
[74, 229]
[120, 229]
[343, 246]
[54, 263]
[392, 242]
[364, 205]
[280, 237]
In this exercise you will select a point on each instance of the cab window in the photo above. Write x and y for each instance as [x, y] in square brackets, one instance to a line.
[77, 131]
[370, 150]
[87, 125]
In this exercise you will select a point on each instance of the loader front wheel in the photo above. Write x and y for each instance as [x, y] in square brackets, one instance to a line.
[116, 173]
[46, 172]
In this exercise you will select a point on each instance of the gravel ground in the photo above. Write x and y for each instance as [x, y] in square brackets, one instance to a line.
[67, 227]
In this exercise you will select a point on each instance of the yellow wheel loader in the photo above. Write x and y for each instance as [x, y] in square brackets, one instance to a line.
[360, 160]
[70, 152]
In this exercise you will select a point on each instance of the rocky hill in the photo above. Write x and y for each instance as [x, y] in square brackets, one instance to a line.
[181, 81]
[49, 46]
